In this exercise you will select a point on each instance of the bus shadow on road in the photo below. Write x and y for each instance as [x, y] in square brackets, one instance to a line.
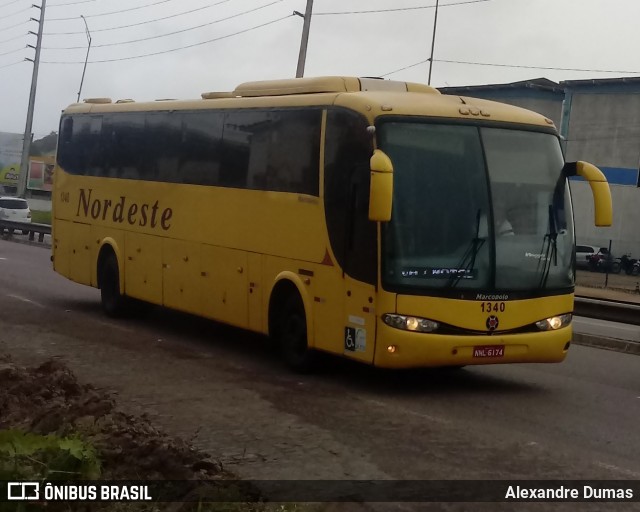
[190, 337]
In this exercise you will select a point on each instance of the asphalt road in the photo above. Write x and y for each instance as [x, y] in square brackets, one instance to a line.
[607, 329]
[225, 390]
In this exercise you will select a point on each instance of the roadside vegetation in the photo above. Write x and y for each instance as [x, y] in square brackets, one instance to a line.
[40, 217]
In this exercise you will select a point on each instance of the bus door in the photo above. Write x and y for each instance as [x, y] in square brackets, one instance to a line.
[360, 269]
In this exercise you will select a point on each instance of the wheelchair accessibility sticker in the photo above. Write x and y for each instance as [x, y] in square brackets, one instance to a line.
[355, 339]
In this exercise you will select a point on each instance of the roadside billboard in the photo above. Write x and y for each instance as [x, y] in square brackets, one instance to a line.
[41, 173]
[10, 155]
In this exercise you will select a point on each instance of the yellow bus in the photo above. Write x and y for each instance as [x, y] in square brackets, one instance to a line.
[373, 219]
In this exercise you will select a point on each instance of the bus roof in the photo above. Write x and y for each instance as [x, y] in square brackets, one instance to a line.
[372, 97]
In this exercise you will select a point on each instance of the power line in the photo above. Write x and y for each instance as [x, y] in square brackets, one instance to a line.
[12, 38]
[12, 51]
[9, 3]
[12, 64]
[113, 12]
[536, 67]
[16, 25]
[167, 34]
[548, 68]
[139, 23]
[15, 13]
[406, 67]
[400, 8]
[72, 3]
[174, 49]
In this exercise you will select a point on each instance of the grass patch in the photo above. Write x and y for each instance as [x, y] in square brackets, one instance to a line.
[40, 217]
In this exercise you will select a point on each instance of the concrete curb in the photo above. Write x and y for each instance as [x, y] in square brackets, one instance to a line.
[628, 347]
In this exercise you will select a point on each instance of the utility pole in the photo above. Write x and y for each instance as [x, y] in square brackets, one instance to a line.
[302, 57]
[26, 142]
[87, 57]
[433, 42]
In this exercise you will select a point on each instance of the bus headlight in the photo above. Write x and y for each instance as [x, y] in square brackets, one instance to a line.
[554, 322]
[410, 323]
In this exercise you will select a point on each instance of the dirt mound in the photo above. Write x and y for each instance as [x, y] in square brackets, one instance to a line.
[48, 399]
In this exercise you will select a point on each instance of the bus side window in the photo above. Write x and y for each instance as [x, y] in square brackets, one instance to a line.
[294, 152]
[201, 148]
[163, 135]
[65, 146]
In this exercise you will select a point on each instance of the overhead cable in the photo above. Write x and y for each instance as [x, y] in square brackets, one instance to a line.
[112, 12]
[534, 67]
[164, 35]
[15, 13]
[397, 9]
[12, 64]
[548, 68]
[9, 3]
[70, 3]
[139, 23]
[173, 49]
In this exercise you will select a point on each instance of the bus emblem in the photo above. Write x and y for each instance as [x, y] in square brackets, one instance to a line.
[492, 323]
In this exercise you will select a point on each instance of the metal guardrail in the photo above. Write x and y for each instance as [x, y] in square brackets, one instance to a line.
[28, 228]
[612, 310]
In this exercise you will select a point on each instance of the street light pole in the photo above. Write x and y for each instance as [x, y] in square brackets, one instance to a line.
[26, 141]
[302, 57]
[433, 42]
[87, 57]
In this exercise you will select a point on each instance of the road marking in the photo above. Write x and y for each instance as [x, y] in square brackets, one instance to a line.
[428, 417]
[3, 259]
[628, 472]
[24, 299]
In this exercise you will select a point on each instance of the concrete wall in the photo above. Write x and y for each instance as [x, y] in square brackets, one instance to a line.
[604, 129]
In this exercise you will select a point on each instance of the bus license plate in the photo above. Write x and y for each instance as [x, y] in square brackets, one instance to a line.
[488, 351]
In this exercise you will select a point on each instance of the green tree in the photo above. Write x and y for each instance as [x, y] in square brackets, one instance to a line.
[45, 146]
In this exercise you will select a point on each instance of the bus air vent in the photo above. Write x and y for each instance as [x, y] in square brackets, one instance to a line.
[217, 95]
[126, 100]
[298, 86]
[98, 100]
[327, 84]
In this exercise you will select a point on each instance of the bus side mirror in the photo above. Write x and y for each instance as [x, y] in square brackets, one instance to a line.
[381, 189]
[603, 208]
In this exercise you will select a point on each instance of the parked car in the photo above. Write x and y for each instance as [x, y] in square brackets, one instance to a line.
[584, 253]
[14, 209]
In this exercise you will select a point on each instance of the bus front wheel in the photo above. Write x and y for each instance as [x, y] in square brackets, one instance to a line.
[292, 336]
[110, 296]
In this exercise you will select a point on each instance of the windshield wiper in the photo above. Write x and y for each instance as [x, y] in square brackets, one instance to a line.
[469, 257]
[550, 242]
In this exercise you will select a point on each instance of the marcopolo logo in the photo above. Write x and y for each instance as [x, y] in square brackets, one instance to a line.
[23, 491]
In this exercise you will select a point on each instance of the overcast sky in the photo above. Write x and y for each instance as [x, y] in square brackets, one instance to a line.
[213, 45]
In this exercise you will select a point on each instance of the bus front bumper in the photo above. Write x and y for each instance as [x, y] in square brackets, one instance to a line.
[396, 348]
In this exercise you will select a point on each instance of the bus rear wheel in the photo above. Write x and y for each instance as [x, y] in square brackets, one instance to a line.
[111, 298]
[292, 336]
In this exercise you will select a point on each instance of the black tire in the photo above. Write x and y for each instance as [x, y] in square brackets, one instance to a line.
[292, 336]
[635, 271]
[113, 301]
[615, 267]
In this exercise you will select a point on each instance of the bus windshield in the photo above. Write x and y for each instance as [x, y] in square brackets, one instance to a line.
[476, 208]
